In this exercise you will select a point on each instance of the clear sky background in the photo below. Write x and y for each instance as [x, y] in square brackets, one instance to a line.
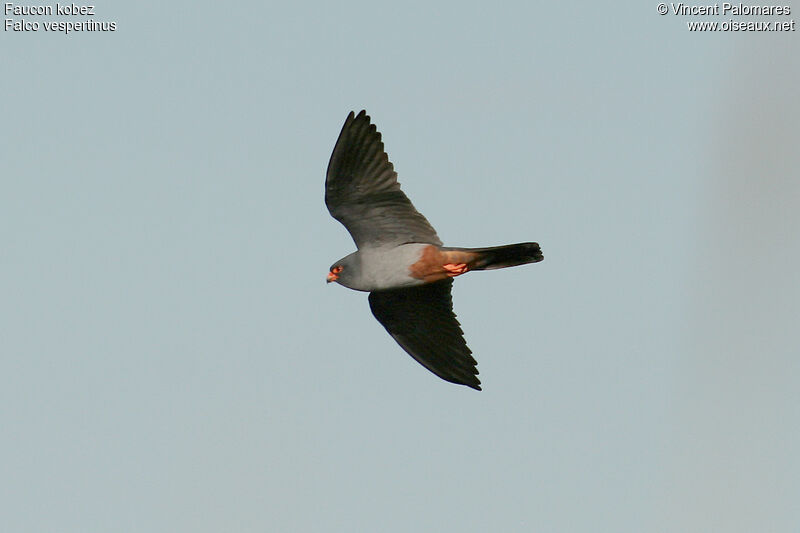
[171, 358]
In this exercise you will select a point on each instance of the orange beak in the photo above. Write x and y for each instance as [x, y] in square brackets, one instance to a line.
[332, 277]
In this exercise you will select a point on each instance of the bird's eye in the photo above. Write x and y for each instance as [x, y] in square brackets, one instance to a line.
[336, 269]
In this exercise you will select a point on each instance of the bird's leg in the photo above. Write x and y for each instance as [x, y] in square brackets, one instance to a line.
[455, 269]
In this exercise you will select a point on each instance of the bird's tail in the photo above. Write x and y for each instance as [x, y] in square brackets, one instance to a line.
[502, 256]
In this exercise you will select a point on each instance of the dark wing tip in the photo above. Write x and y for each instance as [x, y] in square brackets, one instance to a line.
[360, 117]
[471, 384]
[460, 372]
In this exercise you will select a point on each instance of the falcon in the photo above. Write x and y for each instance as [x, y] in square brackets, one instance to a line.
[399, 259]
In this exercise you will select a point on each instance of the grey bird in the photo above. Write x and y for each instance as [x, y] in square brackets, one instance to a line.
[400, 260]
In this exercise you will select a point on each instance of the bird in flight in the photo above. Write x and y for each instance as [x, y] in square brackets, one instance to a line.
[399, 259]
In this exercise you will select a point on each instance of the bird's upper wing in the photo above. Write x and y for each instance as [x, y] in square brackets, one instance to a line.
[361, 190]
[422, 321]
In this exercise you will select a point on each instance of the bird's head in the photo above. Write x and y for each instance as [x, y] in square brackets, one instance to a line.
[335, 270]
[345, 271]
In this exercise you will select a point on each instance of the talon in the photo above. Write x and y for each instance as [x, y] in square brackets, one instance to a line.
[455, 269]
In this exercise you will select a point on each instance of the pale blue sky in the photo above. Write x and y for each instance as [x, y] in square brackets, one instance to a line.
[172, 359]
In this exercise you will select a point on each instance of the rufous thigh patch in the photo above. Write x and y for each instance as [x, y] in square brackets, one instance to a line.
[428, 264]
[435, 264]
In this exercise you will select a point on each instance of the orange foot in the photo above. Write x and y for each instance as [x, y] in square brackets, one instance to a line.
[454, 270]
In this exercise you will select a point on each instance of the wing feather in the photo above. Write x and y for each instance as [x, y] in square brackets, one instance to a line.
[422, 321]
[362, 192]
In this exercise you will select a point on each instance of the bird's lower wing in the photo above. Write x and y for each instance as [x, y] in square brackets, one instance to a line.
[422, 321]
